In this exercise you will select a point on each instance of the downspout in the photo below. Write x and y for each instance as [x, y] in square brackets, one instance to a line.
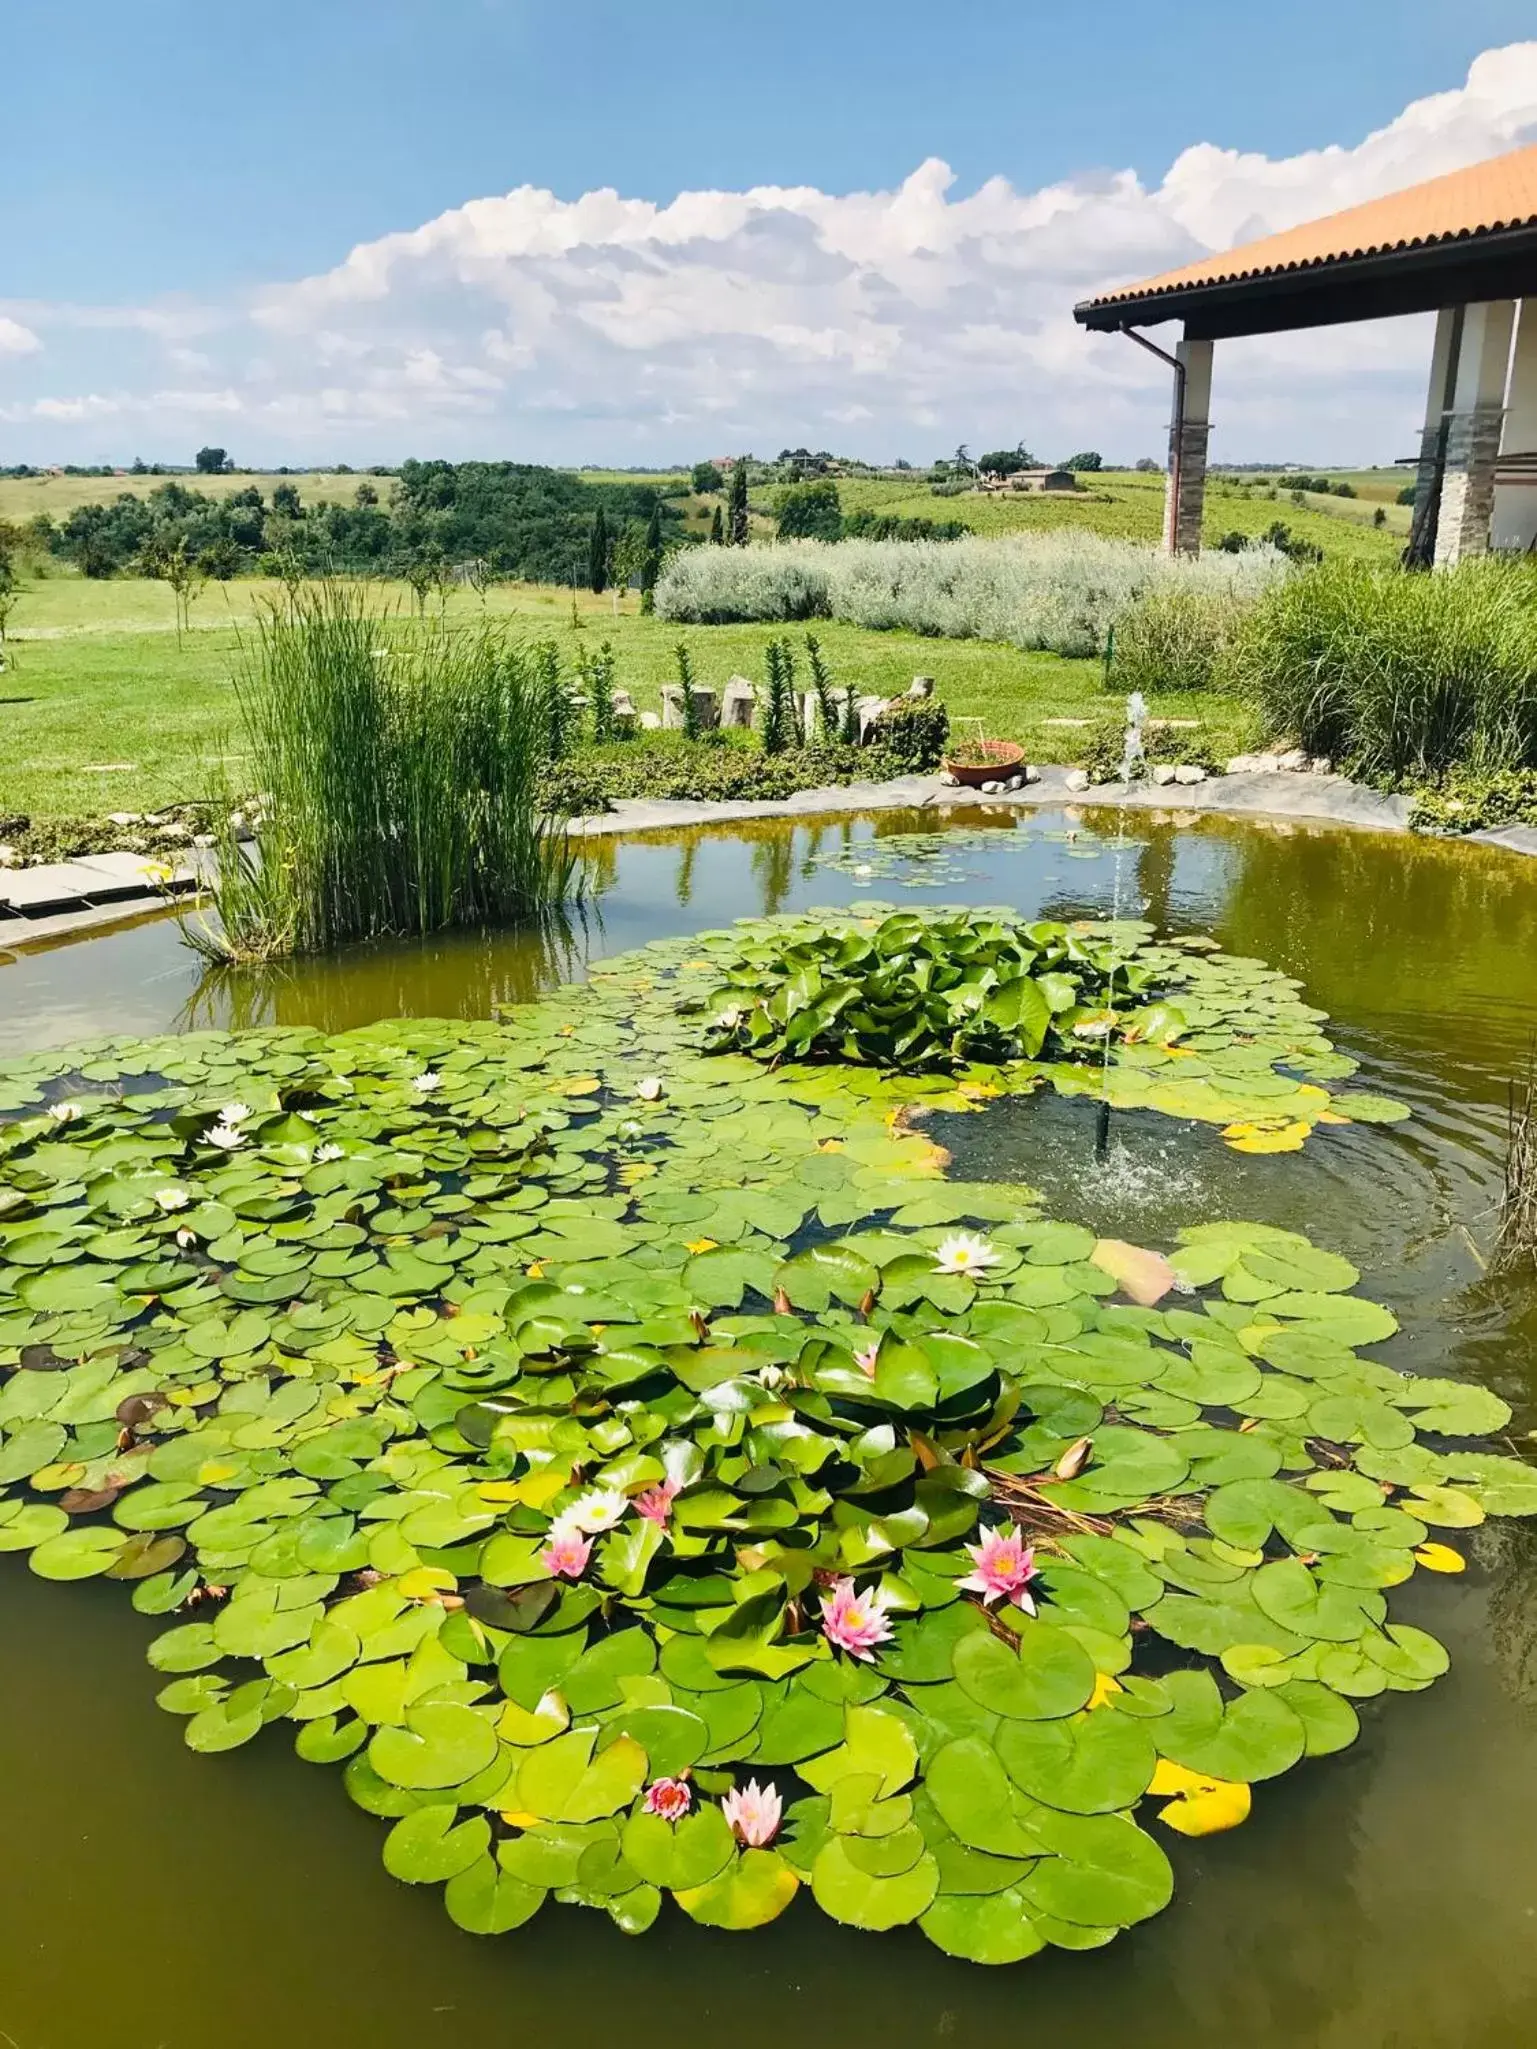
[1177, 436]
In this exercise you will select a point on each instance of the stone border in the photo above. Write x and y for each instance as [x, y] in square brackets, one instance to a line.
[1282, 797]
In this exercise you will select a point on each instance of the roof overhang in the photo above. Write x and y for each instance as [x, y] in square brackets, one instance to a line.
[1499, 263]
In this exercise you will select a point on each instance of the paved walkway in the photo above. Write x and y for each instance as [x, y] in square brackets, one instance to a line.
[62, 898]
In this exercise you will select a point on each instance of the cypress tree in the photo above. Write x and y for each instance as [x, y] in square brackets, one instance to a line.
[718, 529]
[822, 683]
[597, 552]
[739, 526]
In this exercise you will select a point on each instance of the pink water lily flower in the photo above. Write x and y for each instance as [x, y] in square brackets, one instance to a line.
[655, 1504]
[1004, 1567]
[866, 1359]
[754, 1813]
[566, 1554]
[855, 1622]
[669, 1798]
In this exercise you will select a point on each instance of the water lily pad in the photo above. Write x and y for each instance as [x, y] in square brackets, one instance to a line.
[432, 1845]
[750, 1893]
[1049, 1675]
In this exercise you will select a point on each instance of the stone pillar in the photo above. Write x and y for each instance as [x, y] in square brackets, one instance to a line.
[1438, 404]
[1515, 490]
[1473, 427]
[1189, 431]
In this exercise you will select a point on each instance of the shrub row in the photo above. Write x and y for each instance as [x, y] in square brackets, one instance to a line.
[1056, 591]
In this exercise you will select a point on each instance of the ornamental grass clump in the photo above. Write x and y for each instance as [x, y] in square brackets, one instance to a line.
[400, 772]
[1399, 677]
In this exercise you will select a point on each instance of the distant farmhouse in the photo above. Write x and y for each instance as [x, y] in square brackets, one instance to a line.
[1028, 480]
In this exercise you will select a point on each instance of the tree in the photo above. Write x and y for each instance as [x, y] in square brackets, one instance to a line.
[706, 477]
[10, 593]
[651, 558]
[177, 567]
[286, 502]
[598, 552]
[627, 560]
[212, 461]
[810, 512]
[686, 685]
[1146, 467]
[741, 530]
[1003, 462]
[718, 529]
[1087, 459]
[778, 724]
[365, 494]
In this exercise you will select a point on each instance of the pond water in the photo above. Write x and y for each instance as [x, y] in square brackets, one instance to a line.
[1384, 1898]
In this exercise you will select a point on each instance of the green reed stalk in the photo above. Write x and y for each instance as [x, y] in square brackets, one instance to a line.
[399, 776]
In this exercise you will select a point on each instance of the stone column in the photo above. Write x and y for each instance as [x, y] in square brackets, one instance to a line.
[1438, 404]
[1189, 431]
[1473, 428]
[1515, 491]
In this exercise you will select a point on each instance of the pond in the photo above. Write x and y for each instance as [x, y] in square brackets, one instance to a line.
[1384, 1895]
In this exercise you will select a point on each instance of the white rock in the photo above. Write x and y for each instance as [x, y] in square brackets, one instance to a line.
[650, 722]
[7, 857]
[122, 818]
[950, 782]
[202, 839]
[1163, 774]
[1032, 775]
[172, 832]
[1294, 760]
[737, 702]
[1189, 772]
[1322, 765]
[1015, 782]
[1078, 779]
[921, 686]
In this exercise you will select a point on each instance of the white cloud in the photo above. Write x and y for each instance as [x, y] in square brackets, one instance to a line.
[16, 340]
[895, 322]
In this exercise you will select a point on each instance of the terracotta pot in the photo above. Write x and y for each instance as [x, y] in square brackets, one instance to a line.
[1004, 759]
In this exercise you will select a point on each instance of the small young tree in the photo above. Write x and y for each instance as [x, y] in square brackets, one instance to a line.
[718, 529]
[651, 558]
[365, 495]
[706, 477]
[562, 712]
[10, 595]
[741, 530]
[628, 560]
[597, 672]
[175, 565]
[598, 553]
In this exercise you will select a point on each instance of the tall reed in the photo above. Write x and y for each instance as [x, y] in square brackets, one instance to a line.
[1400, 677]
[398, 769]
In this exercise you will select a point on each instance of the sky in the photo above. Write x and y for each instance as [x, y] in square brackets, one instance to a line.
[609, 233]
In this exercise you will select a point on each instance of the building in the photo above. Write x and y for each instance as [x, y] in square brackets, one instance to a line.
[1464, 247]
[1029, 480]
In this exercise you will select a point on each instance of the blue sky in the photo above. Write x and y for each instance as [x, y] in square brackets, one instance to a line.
[180, 166]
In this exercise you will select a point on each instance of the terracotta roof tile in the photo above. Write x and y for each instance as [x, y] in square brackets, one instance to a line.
[1500, 193]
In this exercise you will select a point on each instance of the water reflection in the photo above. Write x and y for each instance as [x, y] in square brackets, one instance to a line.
[1381, 1899]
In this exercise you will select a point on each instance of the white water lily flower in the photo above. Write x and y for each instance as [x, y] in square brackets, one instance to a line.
[630, 1129]
[226, 1137]
[965, 1253]
[172, 1198]
[65, 1113]
[328, 1152]
[600, 1508]
[234, 1113]
[650, 1090]
[425, 1082]
[730, 1018]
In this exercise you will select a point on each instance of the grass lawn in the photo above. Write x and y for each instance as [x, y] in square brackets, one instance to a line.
[101, 710]
[1129, 505]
